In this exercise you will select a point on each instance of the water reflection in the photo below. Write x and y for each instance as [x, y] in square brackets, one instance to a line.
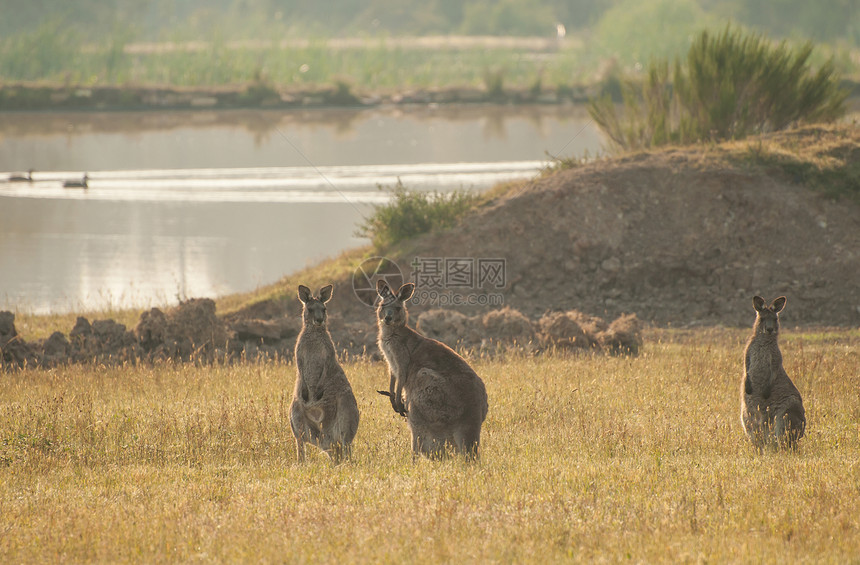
[149, 231]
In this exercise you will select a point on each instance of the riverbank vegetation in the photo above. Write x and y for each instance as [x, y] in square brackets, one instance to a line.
[272, 52]
[584, 458]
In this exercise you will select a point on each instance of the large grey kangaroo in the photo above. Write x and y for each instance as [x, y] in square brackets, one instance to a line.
[324, 411]
[771, 408]
[443, 399]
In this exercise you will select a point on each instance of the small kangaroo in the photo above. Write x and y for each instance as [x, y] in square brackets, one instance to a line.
[324, 411]
[443, 399]
[771, 408]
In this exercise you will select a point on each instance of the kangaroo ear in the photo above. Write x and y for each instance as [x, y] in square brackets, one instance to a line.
[382, 289]
[325, 294]
[304, 294]
[758, 303]
[405, 292]
[778, 305]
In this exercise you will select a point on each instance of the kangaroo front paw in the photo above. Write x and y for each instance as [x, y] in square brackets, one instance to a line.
[397, 404]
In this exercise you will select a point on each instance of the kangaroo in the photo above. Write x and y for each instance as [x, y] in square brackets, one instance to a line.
[324, 411]
[443, 399]
[771, 408]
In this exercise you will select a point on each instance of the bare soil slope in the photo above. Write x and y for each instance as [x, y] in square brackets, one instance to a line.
[679, 237]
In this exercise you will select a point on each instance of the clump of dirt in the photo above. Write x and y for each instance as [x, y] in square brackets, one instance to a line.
[13, 349]
[450, 327]
[624, 335]
[190, 332]
[102, 341]
[508, 326]
[562, 329]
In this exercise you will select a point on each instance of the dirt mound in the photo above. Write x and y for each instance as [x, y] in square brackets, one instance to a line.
[679, 237]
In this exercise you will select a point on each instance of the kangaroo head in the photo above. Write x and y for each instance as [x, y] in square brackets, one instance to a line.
[391, 308]
[767, 317]
[313, 309]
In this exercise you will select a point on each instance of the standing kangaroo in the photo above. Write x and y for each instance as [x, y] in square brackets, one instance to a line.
[443, 399]
[324, 411]
[771, 408]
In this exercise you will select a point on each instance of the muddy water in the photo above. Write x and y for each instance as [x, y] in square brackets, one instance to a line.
[184, 204]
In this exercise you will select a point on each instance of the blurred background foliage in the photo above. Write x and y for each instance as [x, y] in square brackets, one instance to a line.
[99, 41]
[161, 20]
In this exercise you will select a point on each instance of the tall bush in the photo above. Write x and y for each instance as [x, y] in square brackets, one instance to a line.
[729, 86]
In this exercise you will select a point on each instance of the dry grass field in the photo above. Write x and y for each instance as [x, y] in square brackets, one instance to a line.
[584, 458]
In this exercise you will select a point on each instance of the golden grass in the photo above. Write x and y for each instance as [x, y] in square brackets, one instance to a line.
[584, 458]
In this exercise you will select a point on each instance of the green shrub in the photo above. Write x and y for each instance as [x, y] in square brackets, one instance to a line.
[494, 82]
[411, 213]
[731, 85]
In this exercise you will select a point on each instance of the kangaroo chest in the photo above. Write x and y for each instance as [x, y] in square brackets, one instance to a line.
[762, 363]
[396, 354]
[314, 353]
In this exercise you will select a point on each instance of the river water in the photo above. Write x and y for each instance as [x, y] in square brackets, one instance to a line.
[199, 203]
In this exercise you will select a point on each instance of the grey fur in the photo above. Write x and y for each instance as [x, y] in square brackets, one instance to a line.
[324, 411]
[443, 399]
[771, 408]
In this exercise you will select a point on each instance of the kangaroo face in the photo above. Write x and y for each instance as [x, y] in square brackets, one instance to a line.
[391, 310]
[767, 317]
[313, 309]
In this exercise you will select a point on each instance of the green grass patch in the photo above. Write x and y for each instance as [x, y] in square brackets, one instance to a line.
[411, 213]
